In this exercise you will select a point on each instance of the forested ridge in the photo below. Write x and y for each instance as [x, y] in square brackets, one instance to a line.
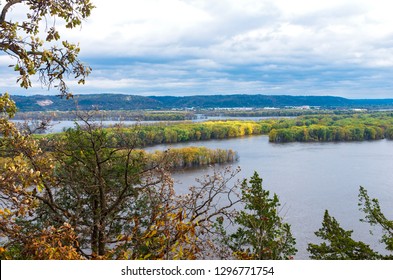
[135, 102]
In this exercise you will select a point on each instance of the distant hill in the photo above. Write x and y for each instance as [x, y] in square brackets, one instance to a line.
[135, 102]
[230, 101]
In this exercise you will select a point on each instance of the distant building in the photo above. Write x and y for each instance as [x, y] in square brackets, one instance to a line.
[45, 102]
[304, 107]
[234, 109]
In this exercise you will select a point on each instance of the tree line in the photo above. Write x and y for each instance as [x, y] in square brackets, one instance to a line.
[112, 115]
[313, 128]
[179, 158]
[322, 128]
[350, 127]
[166, 133]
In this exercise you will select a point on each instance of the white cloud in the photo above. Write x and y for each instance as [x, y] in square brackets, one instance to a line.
[135, 27]
[6, 60]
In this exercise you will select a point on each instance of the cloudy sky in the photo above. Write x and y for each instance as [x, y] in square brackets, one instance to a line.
[187, 47]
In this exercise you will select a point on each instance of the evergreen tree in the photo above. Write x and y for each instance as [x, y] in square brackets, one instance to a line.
[341, 246]
[261, 232]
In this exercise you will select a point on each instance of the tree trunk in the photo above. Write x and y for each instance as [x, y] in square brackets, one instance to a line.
[95, 229]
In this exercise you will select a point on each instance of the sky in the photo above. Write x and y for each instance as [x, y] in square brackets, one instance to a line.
[204, 47]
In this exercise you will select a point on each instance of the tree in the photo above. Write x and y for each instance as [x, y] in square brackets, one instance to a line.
[81, 181]
[261, 232]
[17, 174]
[340, 244]
[88, 193]
[213, 197]
[24, 166]
[35, 49]
[107, 193]
[374, 216]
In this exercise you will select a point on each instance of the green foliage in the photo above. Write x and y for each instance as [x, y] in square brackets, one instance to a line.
[184, 132]
[261, 232]
[7, 106]
[104, 115]
[192, 157]
[317, 128]
[340, 244]
[100, 188]
[375, 217]
[329, 128]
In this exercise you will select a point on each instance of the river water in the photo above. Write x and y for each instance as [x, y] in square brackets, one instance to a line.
[312, 177]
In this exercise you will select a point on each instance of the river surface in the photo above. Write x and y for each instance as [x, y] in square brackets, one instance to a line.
[312, 177]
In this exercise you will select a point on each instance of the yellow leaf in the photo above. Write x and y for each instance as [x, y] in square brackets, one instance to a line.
[40, 187]
[147, 256]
